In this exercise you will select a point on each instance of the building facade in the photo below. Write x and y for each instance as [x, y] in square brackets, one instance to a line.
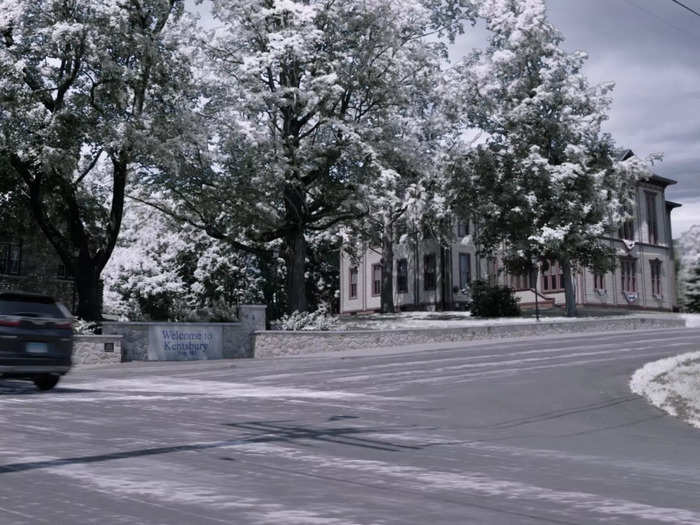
[430, 276]
[29, 263]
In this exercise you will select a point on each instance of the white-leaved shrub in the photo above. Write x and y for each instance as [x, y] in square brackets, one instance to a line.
[83, 327]
[317, 320]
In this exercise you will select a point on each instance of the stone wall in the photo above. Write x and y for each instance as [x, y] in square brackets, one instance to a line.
[281, 343]
[236, 338]
[97, 349]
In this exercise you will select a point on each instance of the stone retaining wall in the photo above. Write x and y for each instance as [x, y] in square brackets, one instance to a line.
[97, 349]
[281, 343]
[236, 339]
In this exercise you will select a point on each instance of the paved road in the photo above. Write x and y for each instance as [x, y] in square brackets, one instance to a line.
[511, 432]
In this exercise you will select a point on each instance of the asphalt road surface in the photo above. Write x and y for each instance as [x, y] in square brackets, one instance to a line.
[507, 432]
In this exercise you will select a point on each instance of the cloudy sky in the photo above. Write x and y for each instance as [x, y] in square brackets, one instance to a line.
[649, 48]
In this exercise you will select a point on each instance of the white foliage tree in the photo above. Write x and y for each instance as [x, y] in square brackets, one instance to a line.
[299, 92]
[165, 270]
[688, 256]
[90, 92]
[546, 179]
[403, 187]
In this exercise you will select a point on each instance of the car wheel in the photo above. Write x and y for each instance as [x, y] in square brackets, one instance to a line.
[46, 381]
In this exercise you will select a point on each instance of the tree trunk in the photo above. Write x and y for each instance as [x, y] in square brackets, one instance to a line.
[62, 208]
[87, 284]
[445, 279]
[387, 299]
[295, 257]
[569, 291]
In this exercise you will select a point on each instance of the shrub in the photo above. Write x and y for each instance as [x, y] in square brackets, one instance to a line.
[82, 327]
[318, 320]
[493, 301]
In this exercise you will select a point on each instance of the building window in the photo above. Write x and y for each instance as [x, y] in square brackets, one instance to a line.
[655, 277]
[599, 281]
[10, 258]
[62, 272]
[402, 276]
[652, 222]
[429, 272]
[552, 277]
[628, 272]
[465, 270]
[520, 281]
[462, 229]
[353, 282]
[627, 230]
[376, 279]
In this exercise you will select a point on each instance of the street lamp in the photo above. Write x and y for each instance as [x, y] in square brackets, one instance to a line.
[534, 272]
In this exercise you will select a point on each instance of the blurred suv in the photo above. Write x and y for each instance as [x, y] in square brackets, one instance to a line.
[36, 338]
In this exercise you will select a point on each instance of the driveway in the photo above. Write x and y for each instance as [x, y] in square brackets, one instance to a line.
[515, 431]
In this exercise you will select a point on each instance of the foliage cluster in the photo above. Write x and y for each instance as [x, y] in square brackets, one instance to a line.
[687, 249]
[164, 271]
[83, 327]
[692, 290]
[319, 319]
[493, 300]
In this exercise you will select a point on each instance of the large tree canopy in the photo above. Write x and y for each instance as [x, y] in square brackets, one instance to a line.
[90, 92]
[299, 93]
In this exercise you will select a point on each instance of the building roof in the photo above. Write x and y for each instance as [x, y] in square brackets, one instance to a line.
[671, 205]
[660, 181]
[625, 154]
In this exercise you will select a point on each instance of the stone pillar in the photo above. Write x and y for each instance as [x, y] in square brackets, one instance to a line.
[252, 317]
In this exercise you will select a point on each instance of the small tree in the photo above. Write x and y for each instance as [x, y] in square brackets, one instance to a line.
[546, 180]
[692, 289]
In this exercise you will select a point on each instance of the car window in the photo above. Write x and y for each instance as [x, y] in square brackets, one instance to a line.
[65, 311]
[29, 308]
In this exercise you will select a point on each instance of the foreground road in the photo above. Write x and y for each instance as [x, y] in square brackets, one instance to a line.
[527, 431]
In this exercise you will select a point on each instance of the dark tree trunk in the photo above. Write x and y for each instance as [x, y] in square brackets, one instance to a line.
[445, 279]
[569, 291]
[387, 299]
[295, 248]
[295, 257]
[87, 284]
[62, 208]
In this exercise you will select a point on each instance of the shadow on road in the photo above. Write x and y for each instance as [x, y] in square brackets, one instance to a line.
[260, 432]
[26, 388]
[554, 414]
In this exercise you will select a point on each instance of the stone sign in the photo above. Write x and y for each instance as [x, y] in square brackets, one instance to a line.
[180, 342]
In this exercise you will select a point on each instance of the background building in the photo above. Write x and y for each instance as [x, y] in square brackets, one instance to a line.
[430, 276]
[29, 263]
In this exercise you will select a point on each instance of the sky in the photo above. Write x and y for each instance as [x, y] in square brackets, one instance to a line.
[649, 49]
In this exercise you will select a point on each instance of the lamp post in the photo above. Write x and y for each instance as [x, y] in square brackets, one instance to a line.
[534, 272]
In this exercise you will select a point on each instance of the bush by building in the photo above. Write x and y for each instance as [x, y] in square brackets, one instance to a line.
[493, 301]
